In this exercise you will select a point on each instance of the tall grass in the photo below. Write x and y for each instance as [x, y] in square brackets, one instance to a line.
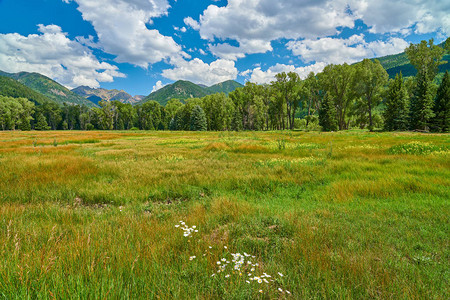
[95, 216]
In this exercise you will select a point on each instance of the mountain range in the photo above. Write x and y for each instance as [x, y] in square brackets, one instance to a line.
[183, 90]
[39, 88]
[48, 88]
[97, 95]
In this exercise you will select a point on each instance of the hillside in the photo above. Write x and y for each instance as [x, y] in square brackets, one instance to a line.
[224, 87]
[400, 63]
[185, 89]
[48, 87]
[12, 88]
[180, 90]
[96, 95]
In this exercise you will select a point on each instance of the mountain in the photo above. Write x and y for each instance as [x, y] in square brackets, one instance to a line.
[400, 63]
[180, 90]
[48, 87]
[12, 88]
[97, 95]
[185, 89]
[224, 87]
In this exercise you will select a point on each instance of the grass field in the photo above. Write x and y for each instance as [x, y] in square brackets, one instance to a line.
[93, 215]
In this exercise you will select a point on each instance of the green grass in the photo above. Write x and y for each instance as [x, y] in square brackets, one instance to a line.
[341, 215]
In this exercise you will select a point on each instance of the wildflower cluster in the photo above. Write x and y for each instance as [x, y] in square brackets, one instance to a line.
[239, 266]
[415, 148]
[188, 231]
[441, 153]
[242, 265]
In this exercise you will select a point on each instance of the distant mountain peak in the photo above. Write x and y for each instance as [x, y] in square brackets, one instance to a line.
[99, 94]
[182, 89]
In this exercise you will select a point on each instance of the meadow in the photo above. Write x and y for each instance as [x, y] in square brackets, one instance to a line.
[224, 215]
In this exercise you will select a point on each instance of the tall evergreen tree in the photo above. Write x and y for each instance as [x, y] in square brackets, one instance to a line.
[41, 123]
[422, 103]
[397, 105]
[198, 119]
[327, 115]
[441, 121]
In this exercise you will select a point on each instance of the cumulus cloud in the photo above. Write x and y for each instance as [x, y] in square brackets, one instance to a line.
[259, 76]
[395, 16]
[255, 23]
[122, 31]
[337, 51]
[157, 86]
[191, 23]
[227, 51]
[53, 54]
[200, 72]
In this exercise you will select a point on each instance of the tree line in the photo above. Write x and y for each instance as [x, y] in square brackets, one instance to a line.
[338, 98]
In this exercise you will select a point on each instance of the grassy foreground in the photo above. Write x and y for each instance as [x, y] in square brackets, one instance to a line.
[92, 215]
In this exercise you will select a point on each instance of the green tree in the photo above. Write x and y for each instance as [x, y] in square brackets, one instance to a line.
[327, 115]
[25, 113]
[288, 86]
[172, 107]
[219, 111]
[426, 58]
[441, 121]
[336, 81]
[106, 115]
[6, 117]
[198, 119]
[422, 103]
[52, 112]
[396, 113]
[149, 115]
[368, 84]
[41, 123]
[312, 94]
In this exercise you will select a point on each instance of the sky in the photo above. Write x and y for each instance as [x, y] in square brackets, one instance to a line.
[141, 45]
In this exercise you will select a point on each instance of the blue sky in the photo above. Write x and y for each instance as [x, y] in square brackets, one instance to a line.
[141, 45]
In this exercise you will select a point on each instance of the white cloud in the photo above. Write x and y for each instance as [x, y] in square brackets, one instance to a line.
[198, 71]
[158, 86]
[53, 54]
[230, 52]
[255, 23]
[191, 23]
[259, 76]
[337, 51]
[395, 16]
[122, 31]
[182, 29]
